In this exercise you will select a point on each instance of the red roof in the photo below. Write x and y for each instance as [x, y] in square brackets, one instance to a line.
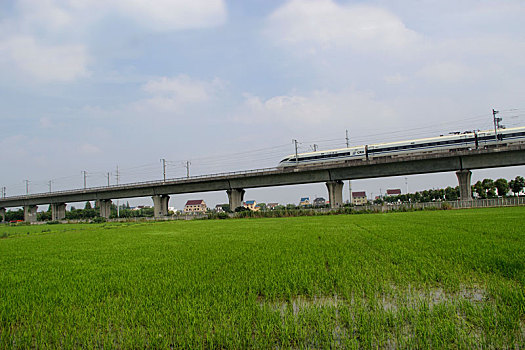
[195, 202]
[359, 194]
[393, 192]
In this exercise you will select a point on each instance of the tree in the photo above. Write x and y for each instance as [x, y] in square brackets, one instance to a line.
[88, 205]
[502, 186]
[378, 200]
[44, 216]
[480, 190]
[12, 215]
[451, 194]
[517, 185]
[489, 187]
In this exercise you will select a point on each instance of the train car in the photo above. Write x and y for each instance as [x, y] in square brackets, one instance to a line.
[318, 157]
[443, 143]
[427, 145]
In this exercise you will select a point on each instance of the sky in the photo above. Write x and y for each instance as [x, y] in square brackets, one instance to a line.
[92, 85]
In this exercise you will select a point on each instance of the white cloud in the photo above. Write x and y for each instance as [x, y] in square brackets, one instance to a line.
[45, 62]
[45, 123]
[43, 14]
[445, 72]
[165, 15]
[158, 15]
[396, 78]
[45, 38]
[325, 24]
[170, 94]
[89, 149]
[319, 109]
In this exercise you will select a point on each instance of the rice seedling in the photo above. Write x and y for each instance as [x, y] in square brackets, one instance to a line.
[452, 279]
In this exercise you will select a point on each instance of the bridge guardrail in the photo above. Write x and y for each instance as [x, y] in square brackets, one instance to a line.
[221, 175]
[142, 183]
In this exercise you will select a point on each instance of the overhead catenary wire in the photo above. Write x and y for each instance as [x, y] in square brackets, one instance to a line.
[269, 156]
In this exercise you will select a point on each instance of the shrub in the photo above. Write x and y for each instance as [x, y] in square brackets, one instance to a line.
[98, 220]
[446, 206]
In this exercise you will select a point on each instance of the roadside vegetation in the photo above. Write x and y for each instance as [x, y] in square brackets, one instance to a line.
[439, 279]
[487, 188]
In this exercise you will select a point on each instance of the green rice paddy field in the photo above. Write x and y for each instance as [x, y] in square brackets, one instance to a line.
[438, 279]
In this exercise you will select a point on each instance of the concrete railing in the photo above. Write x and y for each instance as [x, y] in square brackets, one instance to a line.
[474, 203]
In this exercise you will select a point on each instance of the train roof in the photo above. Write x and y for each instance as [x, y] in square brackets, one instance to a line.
[323, 152]
[400, 142]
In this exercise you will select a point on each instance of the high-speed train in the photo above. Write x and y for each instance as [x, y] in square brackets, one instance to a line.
[446, 143]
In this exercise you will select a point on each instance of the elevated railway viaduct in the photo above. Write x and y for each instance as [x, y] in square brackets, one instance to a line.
[235, 183]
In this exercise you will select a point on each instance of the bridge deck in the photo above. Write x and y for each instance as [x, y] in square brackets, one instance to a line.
[333, 171]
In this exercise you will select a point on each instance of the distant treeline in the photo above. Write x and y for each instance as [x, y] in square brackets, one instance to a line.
[487, 188]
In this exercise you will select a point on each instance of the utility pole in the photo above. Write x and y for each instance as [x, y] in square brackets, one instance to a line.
[496, 123]
[3, 192]
[85, 175]
[187, 166]
[350, 190]
[49, 183]
[406, 185]
[314, 147]
[27, 186]
[163, 168]
[108, 174]
[294, 141]
[347, 140]
[117, 175]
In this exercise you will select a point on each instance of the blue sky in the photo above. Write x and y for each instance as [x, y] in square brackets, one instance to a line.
[91, 84]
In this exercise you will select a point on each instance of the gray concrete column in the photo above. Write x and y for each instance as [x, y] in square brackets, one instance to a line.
[160, 205]
[335, 193]
[105, 207]
[235, 198]
[465, 191]
[58, 211]
[2, 214]
[30, 213]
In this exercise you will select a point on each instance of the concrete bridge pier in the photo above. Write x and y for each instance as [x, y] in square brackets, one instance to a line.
[160, 205]
[335, 193]
[2, 214]
[105, 207]
[30, 213]
[235, 198]
[465, 190]
[58, 211]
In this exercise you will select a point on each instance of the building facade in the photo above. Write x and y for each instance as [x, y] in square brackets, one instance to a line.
[319, 202]
[359, 198]
[195, 206]
[393, 192]
[304, 201]
[252, 205]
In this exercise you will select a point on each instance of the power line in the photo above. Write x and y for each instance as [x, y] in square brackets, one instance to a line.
[263, 155]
